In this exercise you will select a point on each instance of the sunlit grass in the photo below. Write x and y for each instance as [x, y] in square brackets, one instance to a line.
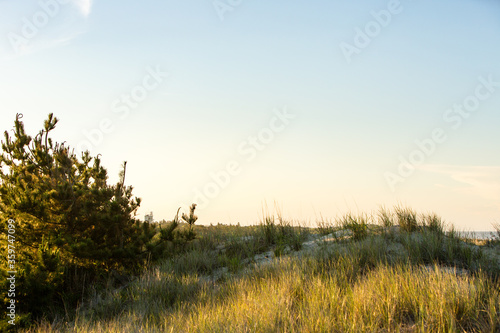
[422, 279]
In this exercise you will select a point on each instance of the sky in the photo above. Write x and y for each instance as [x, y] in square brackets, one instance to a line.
[314, 109]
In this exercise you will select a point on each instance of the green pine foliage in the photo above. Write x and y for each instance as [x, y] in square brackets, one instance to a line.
[72, 228]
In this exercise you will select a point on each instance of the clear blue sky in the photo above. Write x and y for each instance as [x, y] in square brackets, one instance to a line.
[315, 106]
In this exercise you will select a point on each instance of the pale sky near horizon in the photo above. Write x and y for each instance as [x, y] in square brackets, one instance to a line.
[319, 108]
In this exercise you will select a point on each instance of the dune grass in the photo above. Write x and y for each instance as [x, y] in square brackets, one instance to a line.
[397, 271]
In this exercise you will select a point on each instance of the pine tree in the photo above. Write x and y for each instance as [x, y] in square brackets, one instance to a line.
[72, 228]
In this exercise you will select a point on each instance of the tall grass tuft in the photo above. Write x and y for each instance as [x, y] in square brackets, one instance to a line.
[407, 219]
[385, 218]
[326, 226]
[433, 223]
[282, 233]
[357, 224]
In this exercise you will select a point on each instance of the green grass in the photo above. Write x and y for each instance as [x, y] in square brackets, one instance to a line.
[421, 279]
[358, 225]
[385, 218]
[406, 218]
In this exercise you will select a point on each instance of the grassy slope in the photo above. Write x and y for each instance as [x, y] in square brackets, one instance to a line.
[401, 274]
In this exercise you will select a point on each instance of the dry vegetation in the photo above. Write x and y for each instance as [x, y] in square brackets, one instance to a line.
[395, 271]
